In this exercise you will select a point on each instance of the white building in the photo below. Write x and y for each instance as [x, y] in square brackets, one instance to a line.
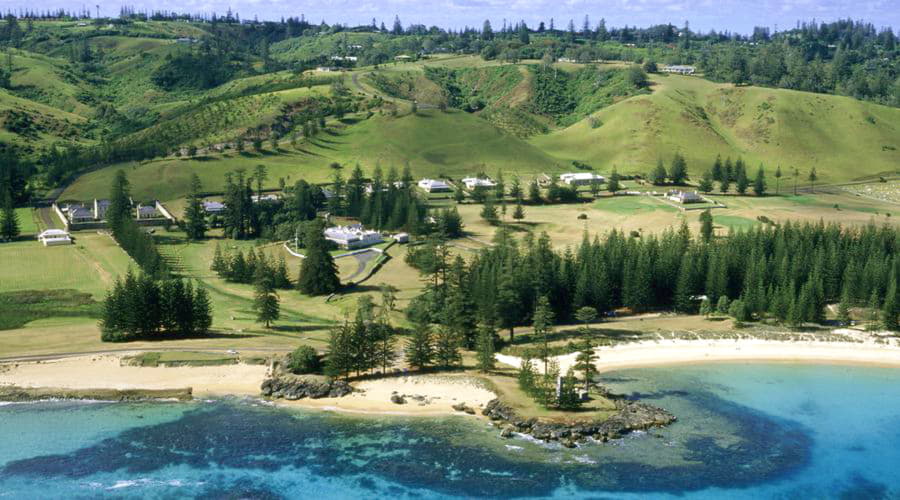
[266, 197]
[582, 179]
[53, 237]
[680, 69]
[401, 237]
[684, 196]
[344, 58]
[434, 186]
[213, 207]
[475, 182]
[353, 236]
[79, 213]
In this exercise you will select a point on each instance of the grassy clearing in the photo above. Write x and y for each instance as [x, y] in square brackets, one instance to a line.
[19, 308]
[28, 221]
[90, 265]
[174, 358]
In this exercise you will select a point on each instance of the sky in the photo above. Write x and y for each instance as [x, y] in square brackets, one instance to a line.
[733, 15]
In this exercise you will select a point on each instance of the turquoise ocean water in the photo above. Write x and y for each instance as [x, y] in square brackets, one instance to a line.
[744, 431]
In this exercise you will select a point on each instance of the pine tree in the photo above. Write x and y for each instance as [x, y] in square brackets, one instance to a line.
[9, 221]
[542, 324]
[219, 264]
[683, 286]
[706, 182]
[265, 300]
[658, 177]
[485, 348]
[586, 315]
[280, 278]
[568, 393]
[723, 305]
[874, 306]
[339, 360]
[585, 362]
[759, 184]
[420, 347]
[318, 272]
[813, 177]
[202, 311]
[678, 171]
[614, 185]
[195, 219]
[489, 210]
[843, 312]
[446, 347]
[891, 308]
[534, 193]
[519, 212]
[707, 230]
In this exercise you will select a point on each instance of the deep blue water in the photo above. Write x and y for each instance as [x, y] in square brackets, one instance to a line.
[744, 431]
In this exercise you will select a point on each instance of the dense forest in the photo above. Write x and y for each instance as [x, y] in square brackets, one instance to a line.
[787, 273]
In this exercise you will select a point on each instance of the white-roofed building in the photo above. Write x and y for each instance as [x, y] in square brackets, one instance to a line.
[684, 196]
[678, 68]
[582, 179]
[353, 236]
[476, 182]
[53, 237]
[434, 186]
[213, 207]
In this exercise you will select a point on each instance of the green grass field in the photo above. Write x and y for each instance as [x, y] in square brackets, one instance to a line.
[28, 222]
[90, 265]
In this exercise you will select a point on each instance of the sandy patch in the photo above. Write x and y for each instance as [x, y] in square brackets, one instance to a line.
[104, 372]
[438, 393]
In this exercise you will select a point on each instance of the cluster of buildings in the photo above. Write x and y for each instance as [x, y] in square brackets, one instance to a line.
[82, 213]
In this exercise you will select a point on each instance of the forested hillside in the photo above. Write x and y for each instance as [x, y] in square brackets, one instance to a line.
[78, 93]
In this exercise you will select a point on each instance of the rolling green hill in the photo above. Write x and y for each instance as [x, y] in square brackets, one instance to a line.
[843, 138]
[434, 143]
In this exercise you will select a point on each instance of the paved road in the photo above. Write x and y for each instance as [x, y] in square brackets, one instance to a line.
[362, 260]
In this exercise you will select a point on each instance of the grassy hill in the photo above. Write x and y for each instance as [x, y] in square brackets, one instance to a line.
[434, 143]
[843, 138]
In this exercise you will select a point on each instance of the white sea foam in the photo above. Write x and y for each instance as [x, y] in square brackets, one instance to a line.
[514, 447]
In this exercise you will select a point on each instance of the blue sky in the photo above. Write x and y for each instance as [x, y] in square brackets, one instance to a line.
[734, 15]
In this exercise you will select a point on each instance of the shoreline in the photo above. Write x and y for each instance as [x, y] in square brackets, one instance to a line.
[427, 395]
[652, 353]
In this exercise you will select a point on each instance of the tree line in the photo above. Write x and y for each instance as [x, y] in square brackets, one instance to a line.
[136, 242]
[141, 307]
[787, 272]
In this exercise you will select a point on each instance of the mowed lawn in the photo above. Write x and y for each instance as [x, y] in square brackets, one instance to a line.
[28, 223]
[91, 265]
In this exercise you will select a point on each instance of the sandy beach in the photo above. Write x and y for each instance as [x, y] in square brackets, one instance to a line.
[424, 394]
[439, 393]
[105, 372]
[664, 352]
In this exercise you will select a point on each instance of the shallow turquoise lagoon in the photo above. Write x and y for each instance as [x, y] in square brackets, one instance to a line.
[744, 431]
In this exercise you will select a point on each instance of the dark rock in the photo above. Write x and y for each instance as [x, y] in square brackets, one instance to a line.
[507, 432]
[568, 443]
[294, 388]
[397, 399]
[459, 407]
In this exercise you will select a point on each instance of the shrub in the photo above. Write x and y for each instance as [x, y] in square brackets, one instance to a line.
[304, 360]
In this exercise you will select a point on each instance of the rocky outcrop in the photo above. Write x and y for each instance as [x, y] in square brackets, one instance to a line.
[397, 399]
[294, 388]
[631, 416]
